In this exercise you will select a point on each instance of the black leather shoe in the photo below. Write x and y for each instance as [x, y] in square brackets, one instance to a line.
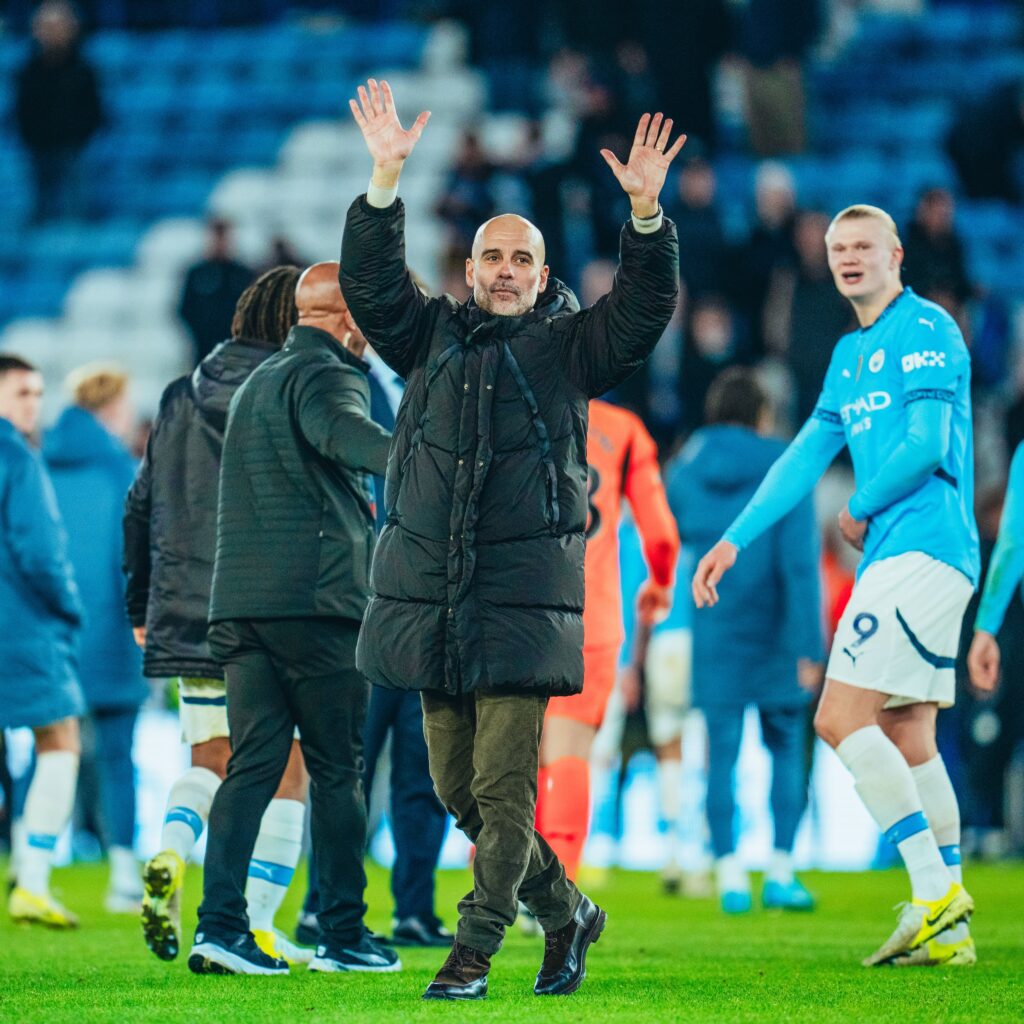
[421, 931]
[565, 951]
[462, 976]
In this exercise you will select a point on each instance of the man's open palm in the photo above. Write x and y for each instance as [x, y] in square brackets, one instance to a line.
[644, 173]
[388, 142]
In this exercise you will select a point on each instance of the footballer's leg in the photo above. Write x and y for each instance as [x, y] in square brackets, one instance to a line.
[204, 726]
[48, 805]
[725, 731]
[847, 719]
[782, 729]
[912, 729]
[274, 859]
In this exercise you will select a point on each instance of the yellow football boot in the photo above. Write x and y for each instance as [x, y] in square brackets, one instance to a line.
[34, 908]
[276, 944]
[921, 920]
[162, 880]
[939, 954]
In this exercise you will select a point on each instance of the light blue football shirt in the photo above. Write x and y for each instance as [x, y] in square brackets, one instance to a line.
[913, 352]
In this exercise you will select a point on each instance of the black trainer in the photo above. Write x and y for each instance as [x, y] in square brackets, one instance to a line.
[227, 954]
[565, 951]
[421, 931]
[462, 976]
[368, 954]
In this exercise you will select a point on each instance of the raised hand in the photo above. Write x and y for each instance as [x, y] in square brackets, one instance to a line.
[388, 142]
[643, 176]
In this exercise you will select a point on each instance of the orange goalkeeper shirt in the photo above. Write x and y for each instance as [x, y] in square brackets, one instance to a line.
[623, 462]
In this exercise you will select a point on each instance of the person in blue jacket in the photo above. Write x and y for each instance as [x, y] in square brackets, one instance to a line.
[762, 644]
[41, 614]
[92, 470]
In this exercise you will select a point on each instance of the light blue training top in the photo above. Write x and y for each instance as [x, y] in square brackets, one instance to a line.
[1006, 570]
[897, 393]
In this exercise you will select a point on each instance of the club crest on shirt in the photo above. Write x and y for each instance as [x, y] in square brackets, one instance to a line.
[877, 361]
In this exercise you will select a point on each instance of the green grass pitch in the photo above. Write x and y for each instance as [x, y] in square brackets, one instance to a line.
[660, 959]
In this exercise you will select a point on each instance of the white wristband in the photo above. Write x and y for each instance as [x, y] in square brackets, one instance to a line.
[648, 225]
[381, 197]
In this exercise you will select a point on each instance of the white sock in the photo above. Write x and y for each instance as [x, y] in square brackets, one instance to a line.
[188, 808]
[274, 859]
[670, 780]
[51, 796]
[938, 798]
[884, 782]
[780, 867]
[730, 875]
[125, 879]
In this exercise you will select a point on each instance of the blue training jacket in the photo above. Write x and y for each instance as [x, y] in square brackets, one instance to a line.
[745, 649]
[92, 471]
[39, 607]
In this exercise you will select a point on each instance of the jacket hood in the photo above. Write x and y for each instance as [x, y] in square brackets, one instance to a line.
[728, 458]
[78, 438]
[215, 380]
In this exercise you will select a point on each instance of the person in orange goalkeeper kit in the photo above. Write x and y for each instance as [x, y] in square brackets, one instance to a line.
[623, 462]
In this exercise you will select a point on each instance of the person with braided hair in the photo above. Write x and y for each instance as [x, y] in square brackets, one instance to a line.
[169, 536]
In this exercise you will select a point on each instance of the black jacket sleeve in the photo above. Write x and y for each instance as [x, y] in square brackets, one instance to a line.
[335, 422]
[603, 345]
[136, 560]
[390, 310]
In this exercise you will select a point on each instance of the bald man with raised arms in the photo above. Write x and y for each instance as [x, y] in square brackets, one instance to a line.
[477, 584]
[295, 534]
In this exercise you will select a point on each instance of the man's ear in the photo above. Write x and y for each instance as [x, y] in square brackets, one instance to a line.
[469, 273]
[545, 270]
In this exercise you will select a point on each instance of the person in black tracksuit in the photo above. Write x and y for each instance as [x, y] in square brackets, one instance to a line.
[477, 584]
[295, 536]
[418, 819]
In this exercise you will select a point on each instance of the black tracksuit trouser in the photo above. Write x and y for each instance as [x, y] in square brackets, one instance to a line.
[283, 673]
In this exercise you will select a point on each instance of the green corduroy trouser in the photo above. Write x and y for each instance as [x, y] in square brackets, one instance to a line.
[484, 750]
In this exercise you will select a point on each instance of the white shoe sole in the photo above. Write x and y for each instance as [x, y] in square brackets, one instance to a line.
[207, 958]
[323, 965]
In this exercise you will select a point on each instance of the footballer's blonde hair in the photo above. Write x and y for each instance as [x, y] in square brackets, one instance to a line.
[95, 385]
[859, 211]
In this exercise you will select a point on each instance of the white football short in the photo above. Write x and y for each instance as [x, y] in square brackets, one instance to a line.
[203, 710]
[901, 630]
[667, 673]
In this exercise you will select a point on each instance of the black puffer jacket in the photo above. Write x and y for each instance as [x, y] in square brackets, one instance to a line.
[477, 578]
[170, 521]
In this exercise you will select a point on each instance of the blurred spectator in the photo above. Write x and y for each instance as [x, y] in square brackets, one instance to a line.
[986, 141]
[759, 645]
[702, 245]
[769, 247]
[58, 110]
[710, 347]
[684, 42]
[774, 38]
[466, 201]
[212, 288]
[934, 264]
[281, 254]
[804, 315]
[92, 470]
